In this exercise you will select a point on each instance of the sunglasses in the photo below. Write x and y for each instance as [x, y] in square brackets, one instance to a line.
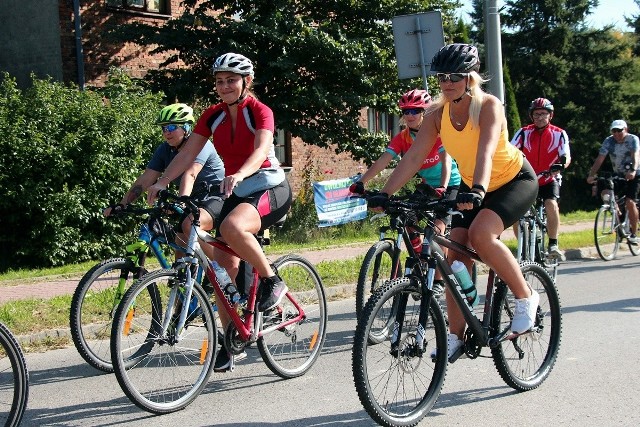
[538, 115]
[170, 128]
[452, 77]
[616, 130]
[412, 111]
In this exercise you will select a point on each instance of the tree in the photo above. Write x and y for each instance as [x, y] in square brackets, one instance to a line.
[318, 62]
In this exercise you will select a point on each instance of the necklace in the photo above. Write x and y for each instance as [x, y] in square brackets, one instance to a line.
[455, 121]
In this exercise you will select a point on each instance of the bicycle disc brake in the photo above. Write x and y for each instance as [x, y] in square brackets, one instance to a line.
[408, 354]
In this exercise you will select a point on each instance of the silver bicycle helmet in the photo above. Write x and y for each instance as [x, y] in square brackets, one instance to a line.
[234, 63]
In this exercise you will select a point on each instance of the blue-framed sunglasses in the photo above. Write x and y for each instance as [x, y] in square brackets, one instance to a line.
[412, 111]
[170, 128]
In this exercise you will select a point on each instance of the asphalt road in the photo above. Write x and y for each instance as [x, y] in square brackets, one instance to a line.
[594, 383]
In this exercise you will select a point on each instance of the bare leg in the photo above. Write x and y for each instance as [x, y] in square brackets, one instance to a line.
[631, 207]
[553, 217]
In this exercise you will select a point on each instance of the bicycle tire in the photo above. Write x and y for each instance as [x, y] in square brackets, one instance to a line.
[93, 303]
[525, 362]
[634, 249]
[292, 350]
[525, 250]
[377, 268]
[605, 233]
[550, 263]
[398, 387]
[159, 371]
[13, 366]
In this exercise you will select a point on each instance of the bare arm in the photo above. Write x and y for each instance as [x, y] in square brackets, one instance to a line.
[178, 165]
[189, 178]
[379, 165]
[594, 169]
[445, 173]
[413, 159]
[140, 185]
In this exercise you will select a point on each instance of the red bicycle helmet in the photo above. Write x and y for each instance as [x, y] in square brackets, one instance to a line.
[416, 98]
[540, 104]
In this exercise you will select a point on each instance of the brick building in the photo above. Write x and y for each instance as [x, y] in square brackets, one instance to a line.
[44, 37]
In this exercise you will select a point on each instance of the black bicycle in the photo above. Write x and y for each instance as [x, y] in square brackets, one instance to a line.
[396, 380]
[612, 225]
[14, 384]
[532, 233]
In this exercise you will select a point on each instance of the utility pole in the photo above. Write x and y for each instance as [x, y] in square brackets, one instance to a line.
[493, 45]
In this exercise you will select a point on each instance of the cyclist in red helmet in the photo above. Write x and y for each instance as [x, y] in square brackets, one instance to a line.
[544, 144]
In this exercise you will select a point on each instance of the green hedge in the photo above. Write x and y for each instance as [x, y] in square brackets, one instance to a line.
[65, 155]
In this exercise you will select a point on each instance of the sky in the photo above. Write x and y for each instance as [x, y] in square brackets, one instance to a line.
[608, 12]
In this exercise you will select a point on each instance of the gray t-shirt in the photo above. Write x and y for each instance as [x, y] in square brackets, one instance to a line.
[212, 172]
[621, 153]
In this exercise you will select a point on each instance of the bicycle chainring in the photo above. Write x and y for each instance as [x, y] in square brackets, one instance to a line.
[471, 346]
[232, 341]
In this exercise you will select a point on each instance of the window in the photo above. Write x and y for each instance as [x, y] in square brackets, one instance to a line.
[382, 122]
[150, 6]
[282, 143]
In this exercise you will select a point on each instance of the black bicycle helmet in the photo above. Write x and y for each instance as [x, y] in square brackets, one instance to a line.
[456, 58]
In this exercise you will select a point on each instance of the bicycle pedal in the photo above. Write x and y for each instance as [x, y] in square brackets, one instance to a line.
[459, 353]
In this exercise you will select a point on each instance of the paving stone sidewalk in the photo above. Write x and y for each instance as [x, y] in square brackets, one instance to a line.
[63, 286]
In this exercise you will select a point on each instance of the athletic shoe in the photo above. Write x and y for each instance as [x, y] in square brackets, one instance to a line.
[525, 313]
[272, 293]
[226, 362]
[555, 252]
[454, 348]
[633, 239]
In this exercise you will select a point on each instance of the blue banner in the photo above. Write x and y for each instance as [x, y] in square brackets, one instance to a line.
[335, 204]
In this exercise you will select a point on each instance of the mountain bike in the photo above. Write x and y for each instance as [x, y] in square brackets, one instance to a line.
[397, 381]
[14, 379]
[532, 233]
[163, 349]
[100, 290]
[383, 260]
[612, 225]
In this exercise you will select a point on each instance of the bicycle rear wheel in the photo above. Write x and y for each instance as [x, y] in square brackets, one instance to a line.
[377, 268]
[94, 301]
[605, 232]
[526, 361]
[634, 249]
[14, 380]
[162, 371]
[290, 350]
[398, 386]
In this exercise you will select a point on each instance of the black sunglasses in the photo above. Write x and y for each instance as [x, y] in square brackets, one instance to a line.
[453, 77]
[616, 130]
[412, 111]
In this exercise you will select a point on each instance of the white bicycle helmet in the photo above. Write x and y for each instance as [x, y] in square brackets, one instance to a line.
[234, 63]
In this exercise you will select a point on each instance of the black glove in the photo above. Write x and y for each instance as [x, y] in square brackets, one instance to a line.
[357, 187]
[472, 197]
[380, 200]
[116, 209]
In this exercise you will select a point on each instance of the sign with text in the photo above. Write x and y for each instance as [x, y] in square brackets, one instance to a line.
[335, 204]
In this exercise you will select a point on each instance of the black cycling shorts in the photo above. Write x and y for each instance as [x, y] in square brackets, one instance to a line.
[272, 204]
[550, 190]
[509, 202]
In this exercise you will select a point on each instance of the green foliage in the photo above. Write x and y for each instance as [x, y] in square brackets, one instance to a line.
[65, 155]
[511, 107]
[317, 62]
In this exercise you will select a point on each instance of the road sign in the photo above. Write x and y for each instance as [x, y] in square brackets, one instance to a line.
[417, 38]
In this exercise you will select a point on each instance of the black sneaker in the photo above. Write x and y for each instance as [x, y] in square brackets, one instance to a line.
[272, 293]
[224, 361]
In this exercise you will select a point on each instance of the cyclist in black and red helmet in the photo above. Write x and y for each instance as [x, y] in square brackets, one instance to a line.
[544, 144]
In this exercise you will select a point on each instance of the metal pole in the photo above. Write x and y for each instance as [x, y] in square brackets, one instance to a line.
[493, 49]
[423, 65]
[79, 54]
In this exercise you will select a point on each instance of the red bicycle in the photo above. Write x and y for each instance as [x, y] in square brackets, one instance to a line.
[164, 334]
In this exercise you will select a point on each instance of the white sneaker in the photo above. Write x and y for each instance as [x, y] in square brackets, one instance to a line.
[555, 252]
[453, 345]
[633, 240]
[525, 313]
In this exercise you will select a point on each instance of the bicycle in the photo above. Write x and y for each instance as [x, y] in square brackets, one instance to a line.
[396, 383]
[612, 225]
[382, 262]
[163, 349]
[14, 387]
[532, 232]
[100, 290]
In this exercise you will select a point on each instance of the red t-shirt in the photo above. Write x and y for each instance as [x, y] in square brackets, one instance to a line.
[542, 149]
[235, 148]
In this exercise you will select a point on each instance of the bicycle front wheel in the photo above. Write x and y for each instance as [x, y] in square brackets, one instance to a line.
[633, 248]
[398, 385]
[94, 301]
[526, 361]
[605, 233]
[14, 384]
[289, 348]
[377, 268]
[162, 370]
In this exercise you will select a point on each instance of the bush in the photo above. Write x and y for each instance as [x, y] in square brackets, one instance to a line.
[65, 155]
